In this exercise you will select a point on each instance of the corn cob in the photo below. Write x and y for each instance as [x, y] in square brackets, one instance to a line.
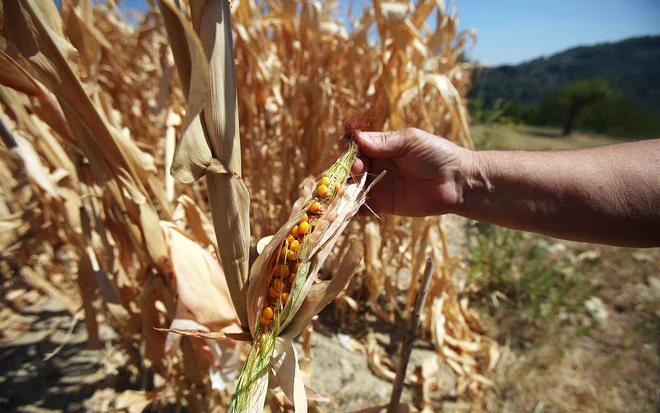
[288, 275]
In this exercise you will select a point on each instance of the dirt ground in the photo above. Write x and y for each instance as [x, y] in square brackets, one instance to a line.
[613, 365]
[341, 371]
[560, 365]
[45, 365]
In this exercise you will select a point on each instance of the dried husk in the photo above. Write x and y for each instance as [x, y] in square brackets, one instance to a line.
[272, 347]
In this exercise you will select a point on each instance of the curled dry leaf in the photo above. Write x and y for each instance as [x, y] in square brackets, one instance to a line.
[210, 142]
[224, 354]
[207, 334]
[188, 213]
[200, 282]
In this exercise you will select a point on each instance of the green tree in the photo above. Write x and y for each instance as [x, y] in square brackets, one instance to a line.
[577, 95]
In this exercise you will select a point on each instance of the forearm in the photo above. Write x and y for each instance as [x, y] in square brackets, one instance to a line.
[607, 195]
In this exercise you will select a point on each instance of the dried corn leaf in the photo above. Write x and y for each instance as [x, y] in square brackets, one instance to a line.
[33, 165]
[200, 282]
[288, 374]
[15, 77]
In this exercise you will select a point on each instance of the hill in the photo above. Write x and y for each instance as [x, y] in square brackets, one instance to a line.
[631, 66]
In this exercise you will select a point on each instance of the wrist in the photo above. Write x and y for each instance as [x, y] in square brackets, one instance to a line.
[471, 177]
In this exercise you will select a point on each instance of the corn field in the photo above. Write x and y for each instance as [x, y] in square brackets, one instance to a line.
[142, 163]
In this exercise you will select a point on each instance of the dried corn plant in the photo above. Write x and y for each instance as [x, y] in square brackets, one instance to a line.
[92, 110]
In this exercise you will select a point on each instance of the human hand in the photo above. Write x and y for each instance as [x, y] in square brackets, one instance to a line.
[424, 172]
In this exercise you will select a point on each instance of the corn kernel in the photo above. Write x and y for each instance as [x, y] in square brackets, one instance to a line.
[296, 266]
[290, 238]
[277, 270]
[294, 231]
[325, 181]
[337, 188]
[290, 255]
[277, 284]
[285, 297]
[323, 191]
[294, 245]
[285, 271]
[264, 321]
[304, 218]
[272, 293]
[303, 227]
[292, 278]
[314, 208]
[267, 313]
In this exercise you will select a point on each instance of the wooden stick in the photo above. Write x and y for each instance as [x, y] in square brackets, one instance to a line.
[409, 340]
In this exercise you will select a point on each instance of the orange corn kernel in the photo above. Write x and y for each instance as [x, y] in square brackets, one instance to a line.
[267, 313]
[285, 271]
[296, 266]
[294, 231]
[325, 181]
[277, 284]
[285, 297]
[264, 321]
[304, 218]
[337, 188]
[315, 208]
[290, 238]
[272, 293]
[303, 228]
[294, 245]
[323, 191]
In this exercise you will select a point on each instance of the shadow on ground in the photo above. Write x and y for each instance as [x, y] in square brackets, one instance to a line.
[29, 380]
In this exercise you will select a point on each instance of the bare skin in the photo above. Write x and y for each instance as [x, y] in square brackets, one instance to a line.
[607, 195]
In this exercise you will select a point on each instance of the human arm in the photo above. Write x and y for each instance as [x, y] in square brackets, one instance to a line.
[608, 195]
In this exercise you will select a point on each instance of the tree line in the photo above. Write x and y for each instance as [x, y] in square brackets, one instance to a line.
[590, 105]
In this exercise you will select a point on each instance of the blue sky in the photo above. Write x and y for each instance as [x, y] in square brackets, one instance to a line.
[512, 31]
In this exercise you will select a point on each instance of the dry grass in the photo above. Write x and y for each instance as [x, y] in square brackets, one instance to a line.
[92, 108]
[557, 355]
[533, 138]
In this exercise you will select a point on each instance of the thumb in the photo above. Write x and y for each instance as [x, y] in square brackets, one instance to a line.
[382, 144]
